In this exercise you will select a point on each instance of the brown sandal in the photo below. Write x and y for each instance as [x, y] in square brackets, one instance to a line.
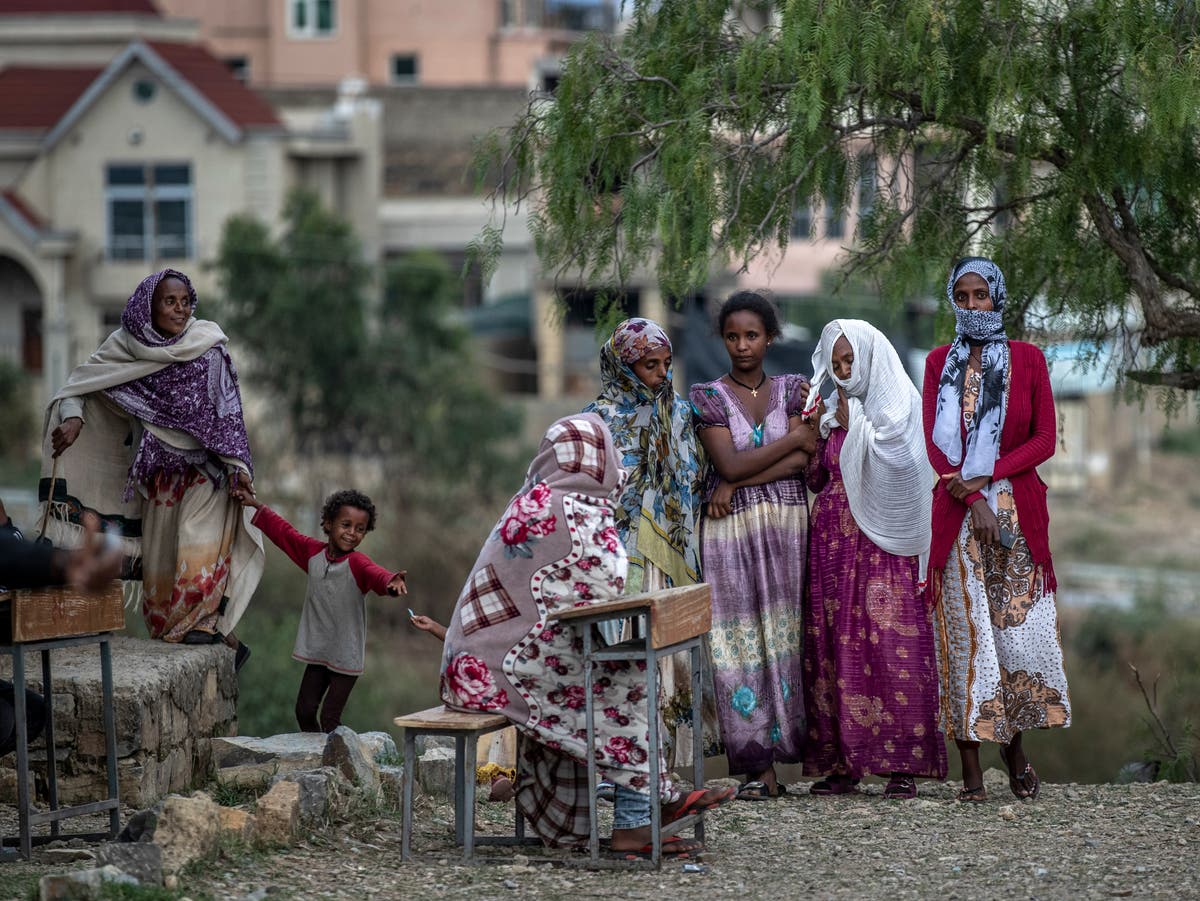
[972, 795]
[901, 788]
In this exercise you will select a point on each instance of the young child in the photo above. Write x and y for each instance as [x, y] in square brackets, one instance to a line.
[332, 636]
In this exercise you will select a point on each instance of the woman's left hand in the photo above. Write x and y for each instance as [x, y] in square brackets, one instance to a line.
[721, 502]
[842, 414]
[960, 489]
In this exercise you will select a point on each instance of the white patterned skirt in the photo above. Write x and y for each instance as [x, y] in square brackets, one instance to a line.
[1000, 656]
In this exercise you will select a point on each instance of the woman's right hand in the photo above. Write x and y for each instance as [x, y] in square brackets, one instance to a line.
[984, 524]
[721, 502]
[842, 414]
[64, 436]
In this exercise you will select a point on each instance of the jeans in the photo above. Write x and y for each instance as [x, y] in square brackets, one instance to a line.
[631, 809]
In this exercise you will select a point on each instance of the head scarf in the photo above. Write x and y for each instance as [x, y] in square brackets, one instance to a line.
[555, 545]
[658, 512]
[974, 328]
[198, 396]
[884, 465]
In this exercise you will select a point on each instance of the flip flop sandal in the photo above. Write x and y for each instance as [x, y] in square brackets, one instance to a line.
[674, 847]
[1019, 785]
[756, 790]
[834, 786]
[691, 803]
[903, 788]
[972, 795]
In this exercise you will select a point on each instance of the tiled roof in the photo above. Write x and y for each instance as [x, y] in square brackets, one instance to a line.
[76, 7]
[23, 209]
[35, 97]
[212, 78]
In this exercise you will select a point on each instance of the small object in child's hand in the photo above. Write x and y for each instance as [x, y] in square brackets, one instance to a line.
[411, 615]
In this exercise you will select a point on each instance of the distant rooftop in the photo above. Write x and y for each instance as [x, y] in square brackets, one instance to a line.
[77, 7]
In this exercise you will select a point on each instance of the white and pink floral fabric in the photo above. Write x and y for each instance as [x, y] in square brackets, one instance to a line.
[555, 545]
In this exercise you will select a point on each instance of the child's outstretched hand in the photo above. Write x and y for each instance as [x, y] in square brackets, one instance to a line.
[397, 586]
[425, 624]
[241, 490]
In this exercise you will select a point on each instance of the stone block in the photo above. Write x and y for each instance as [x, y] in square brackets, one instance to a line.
[80, 885]
[320, 791]
[345, 753]
[238, 824]
[187, 829]
[141, 860]
[278, 813]
[379, 745]
[391, 784]
[291, 751]
[435, 771]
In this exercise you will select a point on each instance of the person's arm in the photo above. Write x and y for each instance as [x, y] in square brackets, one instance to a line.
[735, 466]
[946, 471]
[370, 576]
[299, 547]
[432, 626]
[24, 564]
[1039, 446]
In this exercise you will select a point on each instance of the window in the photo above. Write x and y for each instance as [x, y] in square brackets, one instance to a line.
[312, 18]
[149, 211]
[867, 178]
[802, 222]
[404, 68]
[239, 67]
[835, 221]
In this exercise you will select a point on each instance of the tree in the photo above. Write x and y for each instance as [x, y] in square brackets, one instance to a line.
[1057, 136]
[394, 383]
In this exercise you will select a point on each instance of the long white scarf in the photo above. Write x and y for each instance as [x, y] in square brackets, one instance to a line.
[883, 461]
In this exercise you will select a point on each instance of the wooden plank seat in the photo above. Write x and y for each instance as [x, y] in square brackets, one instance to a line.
[466, 727]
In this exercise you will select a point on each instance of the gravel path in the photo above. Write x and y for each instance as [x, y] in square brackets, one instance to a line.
[1074, 841]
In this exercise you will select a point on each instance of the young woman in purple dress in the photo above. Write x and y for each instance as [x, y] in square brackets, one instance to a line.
[753, 544]
[870, 675]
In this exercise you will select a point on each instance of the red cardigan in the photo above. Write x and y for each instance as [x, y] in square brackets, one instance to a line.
[1027, 439]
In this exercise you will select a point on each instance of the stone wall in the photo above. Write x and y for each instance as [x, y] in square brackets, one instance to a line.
[169, 701]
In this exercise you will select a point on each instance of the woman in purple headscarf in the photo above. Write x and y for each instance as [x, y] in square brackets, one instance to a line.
[148, 433]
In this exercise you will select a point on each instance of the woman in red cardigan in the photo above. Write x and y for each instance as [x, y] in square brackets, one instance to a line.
[989, 421]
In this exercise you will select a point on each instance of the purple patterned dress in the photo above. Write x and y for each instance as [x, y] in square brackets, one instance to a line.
[870, 681]
[754, 561]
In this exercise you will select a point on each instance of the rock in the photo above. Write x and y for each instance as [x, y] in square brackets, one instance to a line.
[344, 752]
[1140, 772]
[142, 861]
[187, 829]
[171, 882]
[81, 884]
[428, 742]
[435, 771]
[278, 813]
[66, 855]
[1008, 812]
[995, 781]
[319, 794]
[379, 745]
[291, 750]
[391, 783]
[237, 824]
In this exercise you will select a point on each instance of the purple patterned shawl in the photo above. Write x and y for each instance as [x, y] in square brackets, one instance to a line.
[199, 397]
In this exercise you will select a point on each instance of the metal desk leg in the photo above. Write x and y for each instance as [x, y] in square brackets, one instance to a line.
[467, 775]
[110, 733]
[410, 758]
[652, 716]
[590, 713]
[460, 755]
[22, 729]
[51, 769]
[519, 826]
[697, 730]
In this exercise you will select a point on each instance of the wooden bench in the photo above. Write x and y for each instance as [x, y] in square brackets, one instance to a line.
[466, 728]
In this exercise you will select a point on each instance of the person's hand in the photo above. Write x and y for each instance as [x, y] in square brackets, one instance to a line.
[721, 502]
[842, 414]
[984, 524]
[432, 626]
[805, 390]
[242, 490]
[960, 489]
[64, 436]
[397, 586]
[94, 564]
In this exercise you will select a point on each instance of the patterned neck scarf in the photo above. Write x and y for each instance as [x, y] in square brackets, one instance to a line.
[199, 397]
[658, 512]
[978, 328]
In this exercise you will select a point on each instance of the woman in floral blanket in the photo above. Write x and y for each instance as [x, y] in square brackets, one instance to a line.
[557, 544]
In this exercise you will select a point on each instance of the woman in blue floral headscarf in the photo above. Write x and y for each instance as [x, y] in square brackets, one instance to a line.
[658, 513]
